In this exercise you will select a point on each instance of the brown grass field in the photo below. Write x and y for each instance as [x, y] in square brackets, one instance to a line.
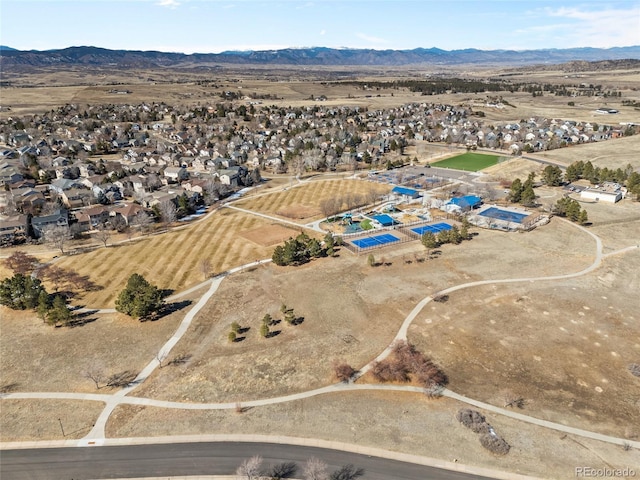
[302, 202]
[170, 260]
[270, 235]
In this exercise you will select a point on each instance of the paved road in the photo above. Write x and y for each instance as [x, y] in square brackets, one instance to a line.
[184, 459]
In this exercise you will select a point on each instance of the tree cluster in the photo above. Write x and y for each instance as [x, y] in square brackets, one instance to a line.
[406, 363]
[585, 170]
[455, 236]
[299, 250]
[23, 292]
[522, 192]
[570, 208]
[552, 175]
[139, 299]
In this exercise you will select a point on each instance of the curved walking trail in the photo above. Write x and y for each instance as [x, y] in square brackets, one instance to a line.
[97, 434]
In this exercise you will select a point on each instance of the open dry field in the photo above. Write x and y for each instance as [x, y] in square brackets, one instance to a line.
[614, 154]
[555, 360]
[170, 260]
[302, 202]
[351, 312]
[38, 419]
[49, 88]
[38, 357]
[563, 346]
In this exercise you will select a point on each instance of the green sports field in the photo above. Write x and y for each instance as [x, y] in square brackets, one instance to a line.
[471, 162]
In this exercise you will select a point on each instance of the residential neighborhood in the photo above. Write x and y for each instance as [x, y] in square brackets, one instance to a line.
[85, 167]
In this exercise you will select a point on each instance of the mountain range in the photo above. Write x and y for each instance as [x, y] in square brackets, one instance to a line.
[318, 56]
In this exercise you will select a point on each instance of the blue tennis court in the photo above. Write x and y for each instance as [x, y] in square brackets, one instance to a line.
[506, 215]
[435, 228]
[375, 241]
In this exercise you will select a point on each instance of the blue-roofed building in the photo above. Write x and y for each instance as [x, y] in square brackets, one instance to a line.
[406, 193]
[384, 220]
[462, 204]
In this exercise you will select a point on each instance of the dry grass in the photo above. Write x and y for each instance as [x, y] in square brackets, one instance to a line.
[170, 260]
[38, 357]
[308, 195]
[351, 312]
[612, 154]
[270, 235]
[40, 419]
[563, 346]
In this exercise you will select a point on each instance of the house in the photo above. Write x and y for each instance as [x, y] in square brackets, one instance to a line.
[76, 197]
[175, 174]
[128, 211]
[9, 173]
[59, 218]
[59, 185]
[97, 214]
[13, 229]
[230, 176]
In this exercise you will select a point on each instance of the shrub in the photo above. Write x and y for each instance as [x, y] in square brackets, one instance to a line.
[264, 330]
[634, 369]
[494, 443]
[232, 337]
[235, 327]
[390, 370]
[473, 420]
[344, 371]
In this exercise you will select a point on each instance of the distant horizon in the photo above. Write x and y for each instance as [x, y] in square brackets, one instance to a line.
[215, 26]
[8, 47]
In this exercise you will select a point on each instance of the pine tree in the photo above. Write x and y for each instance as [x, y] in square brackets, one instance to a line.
[140, 298]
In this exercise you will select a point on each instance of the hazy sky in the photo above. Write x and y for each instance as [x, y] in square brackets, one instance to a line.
[215, 25]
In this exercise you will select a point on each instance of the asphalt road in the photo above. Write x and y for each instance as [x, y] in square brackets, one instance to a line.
[184, 459]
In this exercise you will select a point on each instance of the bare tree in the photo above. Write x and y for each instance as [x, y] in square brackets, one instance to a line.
[118, 223]
[372, 195]
[20, 262]
[56, 275]
[58, 236]
[327, 207]
[103, 234]
[95, 373]
[315, 469]
[142, 220]
[161, 356]
[250, 469]
[205, 268]
[168, 211]
[347, 472]
[282, 470]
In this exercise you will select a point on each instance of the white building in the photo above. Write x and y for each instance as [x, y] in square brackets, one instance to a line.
[607, 192]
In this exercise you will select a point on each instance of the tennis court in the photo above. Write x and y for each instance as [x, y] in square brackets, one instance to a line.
[505, 215]
[435, 228]
[375, 241]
